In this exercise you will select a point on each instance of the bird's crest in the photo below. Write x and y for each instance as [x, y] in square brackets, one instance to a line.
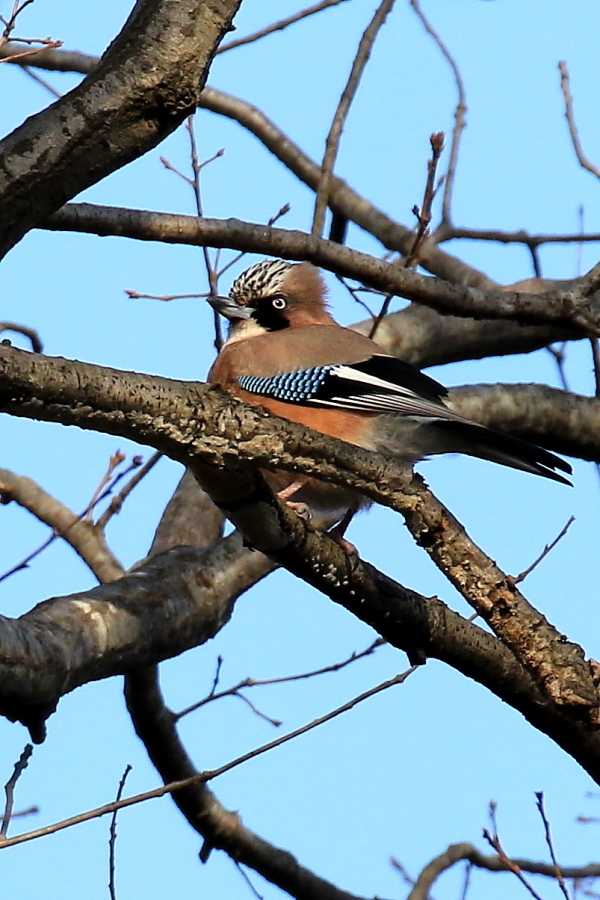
[261, 280]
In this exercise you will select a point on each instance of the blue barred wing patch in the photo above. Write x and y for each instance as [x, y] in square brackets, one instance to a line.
[293, 387]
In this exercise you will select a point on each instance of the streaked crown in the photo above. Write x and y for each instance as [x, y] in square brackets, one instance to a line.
[261, 280]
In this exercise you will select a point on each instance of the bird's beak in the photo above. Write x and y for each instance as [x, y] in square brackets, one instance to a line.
[228, 308]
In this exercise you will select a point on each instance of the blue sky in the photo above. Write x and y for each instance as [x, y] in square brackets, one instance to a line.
[413, 769]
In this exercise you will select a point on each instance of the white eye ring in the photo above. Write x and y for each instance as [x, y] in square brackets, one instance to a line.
[278, 303]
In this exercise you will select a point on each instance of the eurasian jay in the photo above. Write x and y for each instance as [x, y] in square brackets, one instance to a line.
[285, 352]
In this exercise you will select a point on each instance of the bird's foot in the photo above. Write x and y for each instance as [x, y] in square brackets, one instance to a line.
[301, 509]
[287, 492]
[338, 531]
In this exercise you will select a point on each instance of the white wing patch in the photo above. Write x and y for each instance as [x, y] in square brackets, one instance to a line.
[394, 398]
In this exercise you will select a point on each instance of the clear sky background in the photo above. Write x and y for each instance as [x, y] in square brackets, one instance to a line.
[413, 769]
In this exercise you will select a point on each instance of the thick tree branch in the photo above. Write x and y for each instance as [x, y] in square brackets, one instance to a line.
[133, 99]
[235, 439]
[172, 602]
[575, 305]
[423, 337]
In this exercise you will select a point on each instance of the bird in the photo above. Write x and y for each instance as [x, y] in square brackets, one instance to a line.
[286, 353]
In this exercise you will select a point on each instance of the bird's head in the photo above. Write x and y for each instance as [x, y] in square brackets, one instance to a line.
[273, 295]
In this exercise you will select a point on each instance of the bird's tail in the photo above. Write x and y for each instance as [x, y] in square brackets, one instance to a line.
[452, 436]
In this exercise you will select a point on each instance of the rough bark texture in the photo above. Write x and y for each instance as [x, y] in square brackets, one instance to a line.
[145, 84]
[224, 441]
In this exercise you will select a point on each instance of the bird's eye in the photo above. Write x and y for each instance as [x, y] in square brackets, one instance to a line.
[278, 303]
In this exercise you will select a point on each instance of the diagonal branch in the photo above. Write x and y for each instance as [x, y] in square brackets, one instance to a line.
[133, 99]
[570, 117]
[332, 142]
[279, 26]
[215, 434]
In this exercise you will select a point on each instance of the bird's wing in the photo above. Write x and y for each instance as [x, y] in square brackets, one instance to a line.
[379, 384]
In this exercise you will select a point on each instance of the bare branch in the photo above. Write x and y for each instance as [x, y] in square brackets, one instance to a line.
[153, 92]
[278, 26]
[573, 305]
[9, 788]
[117, 502]
[544, 553]
[531, 241]
[570, 117]
[424, 337]
[459, 114]
[31, 333]
[113, 837]
[464, 851]
[255, 682]
[87, 542]
[201, 777]
[557, 869]
[343, 200]
[337, 126]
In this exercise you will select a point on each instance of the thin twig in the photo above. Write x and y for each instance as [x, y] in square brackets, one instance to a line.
[247, 879]
[211, 274]
[459, 114]
[114, 462]
[335, 132]
[113, 836]
[278, 26]
[284, 679]
[26, 331]
[277, 723]
[535, 260]
[543, 554]
[570, 117]
[559, 354]
[41, 81]
[466, 881]
[217, 675]
[579, 258]
[423, 218]
[401, 869]
[424, 213]
[117, 502]
[23, 813]
[166, 298]
[9, 787]
[494, 840]
[201, 777]
[194, 182]
[103, 490]
[354, 294]
[539, 795]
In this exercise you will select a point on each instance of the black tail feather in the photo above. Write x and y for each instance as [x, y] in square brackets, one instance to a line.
[476, 440]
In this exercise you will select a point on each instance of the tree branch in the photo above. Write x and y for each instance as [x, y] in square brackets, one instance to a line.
[196, 424]
[574, 305]
[457, 852]
[131, 101]
[332, 142]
